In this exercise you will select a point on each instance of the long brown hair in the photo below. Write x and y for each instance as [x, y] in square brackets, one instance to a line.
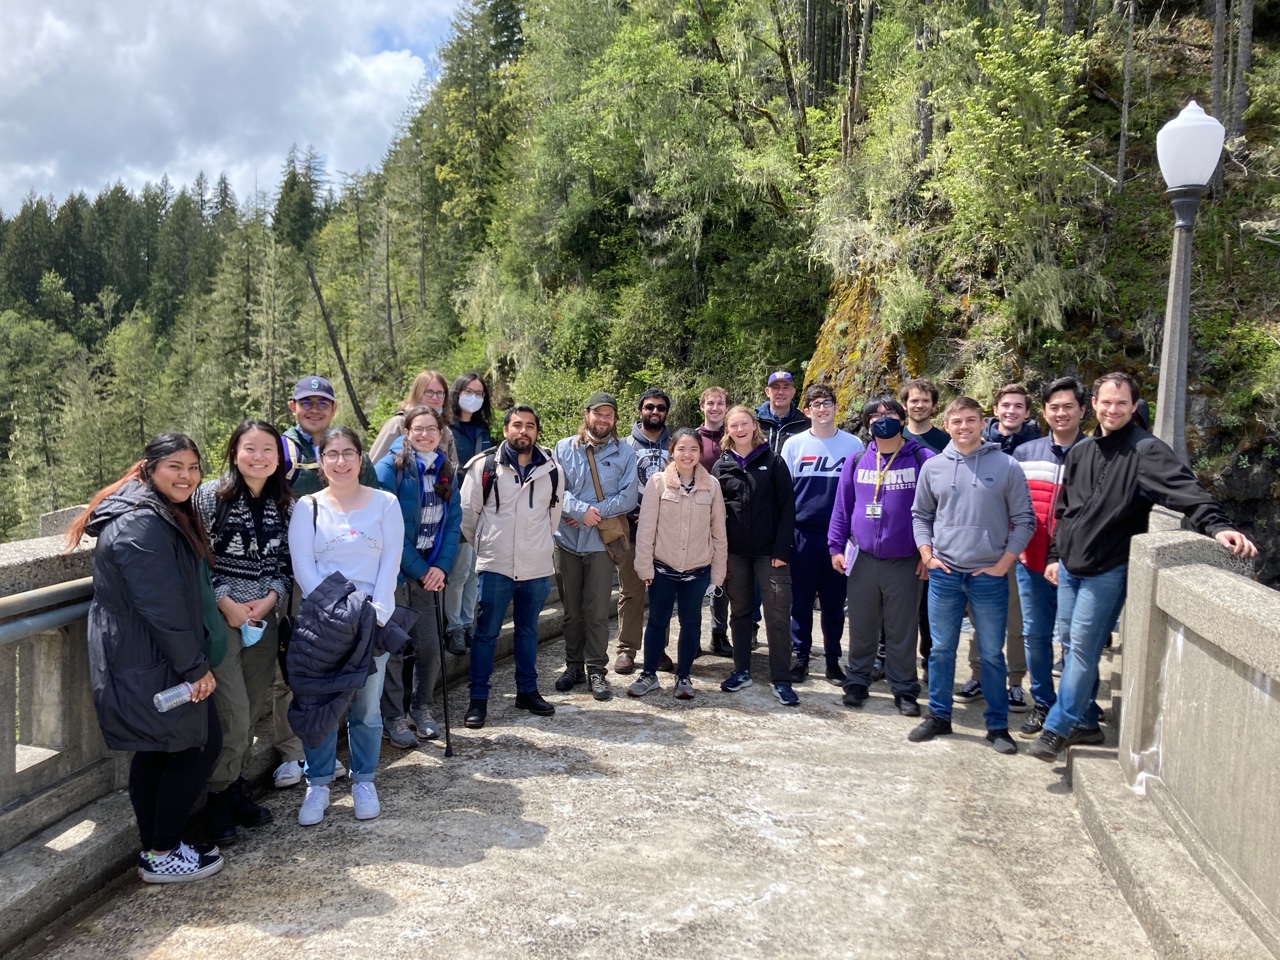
[184, 514]
[404, 460]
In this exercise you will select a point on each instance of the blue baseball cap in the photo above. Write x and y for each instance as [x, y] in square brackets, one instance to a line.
[314, 387]
[780, 375]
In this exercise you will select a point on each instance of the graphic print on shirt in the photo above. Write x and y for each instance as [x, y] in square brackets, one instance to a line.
[903, 478]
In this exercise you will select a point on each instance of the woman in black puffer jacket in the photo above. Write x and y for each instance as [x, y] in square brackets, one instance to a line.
[760, 519]
[149, 629]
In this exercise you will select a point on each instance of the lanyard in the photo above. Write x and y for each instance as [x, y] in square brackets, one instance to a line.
[880, 474]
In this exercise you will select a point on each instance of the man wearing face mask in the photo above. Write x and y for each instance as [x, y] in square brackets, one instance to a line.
[815, 458]
[650, 440]
[583, 564]
[871, 541]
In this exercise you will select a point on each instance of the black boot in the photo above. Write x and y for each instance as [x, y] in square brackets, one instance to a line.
[243, 810]
[455, 641]
[720, 645]
[218, 827]
[477, 711]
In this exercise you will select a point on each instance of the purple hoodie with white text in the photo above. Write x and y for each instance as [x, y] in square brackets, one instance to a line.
[888, 536]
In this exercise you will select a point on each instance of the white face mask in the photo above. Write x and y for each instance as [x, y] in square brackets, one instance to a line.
[470, 403]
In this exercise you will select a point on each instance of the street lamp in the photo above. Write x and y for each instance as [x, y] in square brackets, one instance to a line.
[1188, 147]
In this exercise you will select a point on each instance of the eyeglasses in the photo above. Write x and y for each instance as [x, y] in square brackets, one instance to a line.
[472, 393]
[654, 408]
[333, 456]
[437, 394]
[315, 403]
[423, 431]
[821, 404]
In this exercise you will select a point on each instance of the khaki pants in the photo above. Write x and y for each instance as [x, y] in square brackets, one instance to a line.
[287, 743]
[244, 679]
[631, 601]
[1015, 652]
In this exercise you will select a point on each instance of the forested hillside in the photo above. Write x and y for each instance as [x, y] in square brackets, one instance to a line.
[597, 193]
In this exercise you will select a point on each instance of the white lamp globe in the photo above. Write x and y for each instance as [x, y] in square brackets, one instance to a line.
[1188, 147]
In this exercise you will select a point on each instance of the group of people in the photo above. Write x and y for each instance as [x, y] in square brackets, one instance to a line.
[328, 581]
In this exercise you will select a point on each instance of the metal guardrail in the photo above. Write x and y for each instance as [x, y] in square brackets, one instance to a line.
[42, 599]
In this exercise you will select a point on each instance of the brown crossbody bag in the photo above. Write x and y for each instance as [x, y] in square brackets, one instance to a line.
[614, 531]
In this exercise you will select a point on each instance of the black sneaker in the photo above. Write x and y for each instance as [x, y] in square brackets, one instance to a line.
[477, 711]
[970, 692]
[178, 866]
[244, 811]
[907, 706]
[855, 695]
[455, 641]
[1034, 723]
[928, 728]
[800, 671]
[218, 828]
[1047, 746]
[1001, 740]
[534, 703]
[572, 676]
[1085, 736]
[835, 675]
[600, 688]
[720, 645]
[877, 671]
[1017, 700]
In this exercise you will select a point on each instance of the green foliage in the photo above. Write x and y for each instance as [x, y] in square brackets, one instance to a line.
[905, 302]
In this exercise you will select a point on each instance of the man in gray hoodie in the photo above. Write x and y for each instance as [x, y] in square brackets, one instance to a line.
[972, 517]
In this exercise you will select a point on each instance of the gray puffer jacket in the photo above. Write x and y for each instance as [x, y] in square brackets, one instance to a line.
[146, 632]
[335, 638]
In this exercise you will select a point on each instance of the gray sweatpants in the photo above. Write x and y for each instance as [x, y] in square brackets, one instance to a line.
[888, 592]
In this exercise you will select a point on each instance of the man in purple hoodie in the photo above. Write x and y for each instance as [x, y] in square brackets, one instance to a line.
[871, 541]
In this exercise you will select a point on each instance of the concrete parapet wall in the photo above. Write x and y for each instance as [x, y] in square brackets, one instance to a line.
[1200, 730]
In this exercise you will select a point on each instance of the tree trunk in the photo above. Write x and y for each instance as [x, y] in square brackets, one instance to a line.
[337, 352]
[846, 113]
[788, 76]
[924, 108]
[386, 275]
[1068, 18]
[1124, 105]
[1244, 53]
[1219, 55]
[864, 36]
[1093, 12]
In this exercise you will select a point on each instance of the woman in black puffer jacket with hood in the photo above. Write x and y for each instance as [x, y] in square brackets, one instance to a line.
[149, 626]
[760, 519]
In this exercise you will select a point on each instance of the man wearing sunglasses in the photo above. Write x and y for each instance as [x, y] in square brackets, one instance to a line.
[650, 440]
[313, 406]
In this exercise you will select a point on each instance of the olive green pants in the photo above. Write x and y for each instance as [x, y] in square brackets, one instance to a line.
[244, 685]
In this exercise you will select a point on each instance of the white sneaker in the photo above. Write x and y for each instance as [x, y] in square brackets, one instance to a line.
[365, 795]
[288, 774]
[339, 771]
[314, 804]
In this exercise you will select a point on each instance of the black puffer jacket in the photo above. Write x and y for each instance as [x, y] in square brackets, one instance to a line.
[335, 638]
[146, 633]
[759, 503]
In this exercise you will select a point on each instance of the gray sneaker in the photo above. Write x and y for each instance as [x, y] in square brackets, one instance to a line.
[600, 688]
[399, 733]
[684, 688]
[646, 683]
[428, 729]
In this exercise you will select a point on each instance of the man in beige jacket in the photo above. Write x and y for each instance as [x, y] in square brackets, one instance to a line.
[510, 510]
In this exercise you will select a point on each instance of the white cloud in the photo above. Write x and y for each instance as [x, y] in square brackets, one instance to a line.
[92, 92]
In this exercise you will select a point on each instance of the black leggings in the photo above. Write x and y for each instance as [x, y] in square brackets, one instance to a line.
[164, 787]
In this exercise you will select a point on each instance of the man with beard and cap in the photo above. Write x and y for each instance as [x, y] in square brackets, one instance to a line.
[510, 510]
[650, 440]
[594, 460]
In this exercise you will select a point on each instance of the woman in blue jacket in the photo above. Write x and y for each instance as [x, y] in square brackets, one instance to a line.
[424, 482]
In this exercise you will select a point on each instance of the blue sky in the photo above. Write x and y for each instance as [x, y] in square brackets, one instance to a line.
[91, 92]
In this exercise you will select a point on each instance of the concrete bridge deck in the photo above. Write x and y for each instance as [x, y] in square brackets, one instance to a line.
[729, 827]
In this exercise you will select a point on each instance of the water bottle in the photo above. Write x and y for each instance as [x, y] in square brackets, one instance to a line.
[166, 700]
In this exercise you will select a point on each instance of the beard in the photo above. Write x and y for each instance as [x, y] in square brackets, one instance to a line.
[521, 444]
[653, 421]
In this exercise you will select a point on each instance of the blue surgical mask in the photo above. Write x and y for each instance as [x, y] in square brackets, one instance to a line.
[251, 631]
[885, 428]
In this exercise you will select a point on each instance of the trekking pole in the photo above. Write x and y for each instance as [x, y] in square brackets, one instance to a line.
[444, 677]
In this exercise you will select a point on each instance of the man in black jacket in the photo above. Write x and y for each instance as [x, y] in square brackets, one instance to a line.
[1110, 483]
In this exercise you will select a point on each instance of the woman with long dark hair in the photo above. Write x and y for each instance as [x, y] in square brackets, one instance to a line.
[429, 389]
[153, 625]
[472, 415]
[246, 513]
[357, 532]
[424, 482]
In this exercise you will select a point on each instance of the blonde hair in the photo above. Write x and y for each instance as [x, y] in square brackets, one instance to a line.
[757, 436]
[418, 390]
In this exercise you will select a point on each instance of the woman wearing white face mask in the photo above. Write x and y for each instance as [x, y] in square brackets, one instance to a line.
[429, 389]
[469, 404]
[246, 515]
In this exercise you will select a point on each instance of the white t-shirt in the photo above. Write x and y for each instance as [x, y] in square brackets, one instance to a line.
[364, 545]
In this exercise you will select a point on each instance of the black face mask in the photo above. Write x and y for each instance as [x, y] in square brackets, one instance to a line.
[885, 428]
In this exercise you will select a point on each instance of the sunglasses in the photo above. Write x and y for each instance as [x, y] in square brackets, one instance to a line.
[654, 408]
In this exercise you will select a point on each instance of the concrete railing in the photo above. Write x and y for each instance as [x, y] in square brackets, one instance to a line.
[1200, 726]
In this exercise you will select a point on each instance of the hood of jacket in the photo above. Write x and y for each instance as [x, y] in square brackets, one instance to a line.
[134, 495]
[991, 431]
[640, 441]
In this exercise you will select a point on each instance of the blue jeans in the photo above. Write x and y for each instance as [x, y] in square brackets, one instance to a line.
[1039, 613]
[364, 735]
[1087, 607]
[496, 594]
[988, 600]
[665, 593]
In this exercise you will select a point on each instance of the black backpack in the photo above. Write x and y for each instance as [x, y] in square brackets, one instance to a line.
[489, 479]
